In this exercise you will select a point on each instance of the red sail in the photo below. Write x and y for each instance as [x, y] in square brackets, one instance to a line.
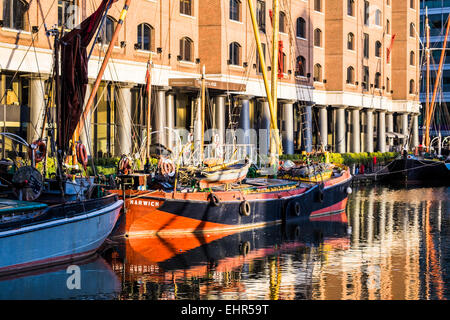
[74, 74]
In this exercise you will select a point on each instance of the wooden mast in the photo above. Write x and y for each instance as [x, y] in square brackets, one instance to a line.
[427, 52]
[436, 83]
[276, 25]
[149, 101]
[203, 116]
[262, 62]
[104, 64]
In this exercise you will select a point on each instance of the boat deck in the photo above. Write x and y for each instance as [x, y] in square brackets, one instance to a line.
[8, 206]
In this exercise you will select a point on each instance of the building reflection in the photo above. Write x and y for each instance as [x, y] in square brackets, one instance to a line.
[390, 248]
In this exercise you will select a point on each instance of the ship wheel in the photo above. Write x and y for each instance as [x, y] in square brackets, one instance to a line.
[27, 183]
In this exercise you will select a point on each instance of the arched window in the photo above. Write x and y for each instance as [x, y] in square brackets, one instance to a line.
[235, 10]
[350, 75]
[412, 30]
[351, 7]
[186, 49]
[145, 34]
[318, 5]
[14, 14]
[378, 17]
[283, 60]
[301, 28]
[67, 14]
[351, 41]
[412, 58]
[377, 80]
[282, 22]
[235, 54]
[378, 49]
[318, 38]
[412, 4]
[300, 68]
[388, 85]
[186, 7]
[412, 86]
[318, 73]
[107, 30]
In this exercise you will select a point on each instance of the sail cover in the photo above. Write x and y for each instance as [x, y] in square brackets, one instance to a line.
[74, 74]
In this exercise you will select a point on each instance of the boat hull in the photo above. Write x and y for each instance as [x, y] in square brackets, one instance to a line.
[59, 240]
[150, 213]
[416, 172]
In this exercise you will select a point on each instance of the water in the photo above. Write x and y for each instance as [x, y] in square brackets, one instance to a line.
[390, 244]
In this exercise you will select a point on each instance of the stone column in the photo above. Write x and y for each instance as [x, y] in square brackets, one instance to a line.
[390, 128]
[170, 120]
[86, 132]
[405, 130]
[307, 127]
[264, 128]
[369, 131]
[37, 107]
[159, 117]
[123, 120]
[415, 131]
[323, 126]
[288, 128]
[219, 117]
[381, 139]
[356, 131]
[341, 130]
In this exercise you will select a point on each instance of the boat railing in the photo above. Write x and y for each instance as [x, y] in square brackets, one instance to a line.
[227, 152]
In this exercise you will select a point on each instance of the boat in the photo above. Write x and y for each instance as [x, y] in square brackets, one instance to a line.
[425, 166]
[49, 221]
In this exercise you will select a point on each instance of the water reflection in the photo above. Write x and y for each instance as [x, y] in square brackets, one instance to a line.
[391, 244]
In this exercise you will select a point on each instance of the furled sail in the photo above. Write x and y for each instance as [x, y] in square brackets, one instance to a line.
[74, 74]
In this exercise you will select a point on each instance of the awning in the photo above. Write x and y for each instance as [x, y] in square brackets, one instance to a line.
[210, 84]
[395, 135]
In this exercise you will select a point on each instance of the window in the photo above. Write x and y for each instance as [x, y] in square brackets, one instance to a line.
[378, 49]
[412, 4]
[412, 87]
[258, 63]
[388, 85]
[412, 30]
[234, 54]
[301, 28]
[388, 27]
[351, 41]
[235, 10]
[107, 30]
[318, 73]
[145, 34]
[261, 15]
[67, 14]
[378, 17]
[365, 83]
[377, 80]
[318, 5]
[186, 49]
[351, 8]
[300, 68]
[14, 14]
[282, 22]
[366, 45]
[186, 7]
[283, 61]
[350, 75]
[366, 12]
[412, 58]
[318, 38]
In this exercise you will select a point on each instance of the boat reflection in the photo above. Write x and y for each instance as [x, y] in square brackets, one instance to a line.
[97, 281]
[198, 266]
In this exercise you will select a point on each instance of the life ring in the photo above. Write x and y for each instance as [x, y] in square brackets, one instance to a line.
[245, 208]
[297, 209]
[124, 165]
[167, 168]
[214, 200]
[82, 156]
[244, 248]
[39, 149]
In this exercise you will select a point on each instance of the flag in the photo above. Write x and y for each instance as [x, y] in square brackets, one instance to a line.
[389, 50]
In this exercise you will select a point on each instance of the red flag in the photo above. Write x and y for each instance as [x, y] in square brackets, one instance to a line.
[147, 77]
[389, 50]
[280, 59]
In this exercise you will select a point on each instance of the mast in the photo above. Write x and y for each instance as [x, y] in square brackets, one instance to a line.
[274, 74]
[427, 52]
[203, 116]
[149, 101]
[273, 121]
[433, 99]
[104, 64]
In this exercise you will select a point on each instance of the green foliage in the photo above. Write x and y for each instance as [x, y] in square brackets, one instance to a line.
[348, 158]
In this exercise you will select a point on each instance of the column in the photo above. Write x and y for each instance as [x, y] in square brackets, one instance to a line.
[37, 107]
[323, 126]
[219, 117]
[123, 121]
[405, 131]
[287, 130]
[264, 127]
[170, 121]
[356, 131]
[381, 139]
[159, 117]
[86, 133]
[390, 128]
[307, 127]
[369, 131]
[341, 130]
[415, 131]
